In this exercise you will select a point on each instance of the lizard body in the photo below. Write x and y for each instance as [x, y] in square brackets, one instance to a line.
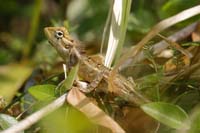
[90, 70]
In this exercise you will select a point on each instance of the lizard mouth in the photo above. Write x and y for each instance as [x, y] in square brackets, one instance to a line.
[50, 42]
[46, 32]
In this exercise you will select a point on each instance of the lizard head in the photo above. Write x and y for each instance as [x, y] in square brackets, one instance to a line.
[60, 39]
[59, 35]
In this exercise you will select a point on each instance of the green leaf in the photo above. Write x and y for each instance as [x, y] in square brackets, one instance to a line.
[193, 122]
[65, 120]
[195, 126]
[7, 121]
[168, 114]
[188, 100]
[68, 82]
[43, 92]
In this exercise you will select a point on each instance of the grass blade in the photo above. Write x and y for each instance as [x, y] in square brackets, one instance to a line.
[118, 26]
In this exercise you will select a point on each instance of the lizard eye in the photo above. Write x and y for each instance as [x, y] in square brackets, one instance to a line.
[59, 34]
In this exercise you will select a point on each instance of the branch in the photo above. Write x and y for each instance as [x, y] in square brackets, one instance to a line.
[30, 120]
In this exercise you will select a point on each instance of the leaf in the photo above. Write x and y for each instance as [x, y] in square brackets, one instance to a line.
[168, 114]
[65, 120]
[68, 82]
[188, 99]
[71, 77]
[43, 92]
[92, 111]
[7, 121]
[195, 120]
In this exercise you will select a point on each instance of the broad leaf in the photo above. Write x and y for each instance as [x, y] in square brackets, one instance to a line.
[78, 100]
[168, 114]
[194, 125]
[71, 77]
[43, 92]
[193, 121]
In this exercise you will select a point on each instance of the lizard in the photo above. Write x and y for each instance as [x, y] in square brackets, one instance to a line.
[90, 70]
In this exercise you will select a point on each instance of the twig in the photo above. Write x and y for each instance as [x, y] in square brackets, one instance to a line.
[30, 120]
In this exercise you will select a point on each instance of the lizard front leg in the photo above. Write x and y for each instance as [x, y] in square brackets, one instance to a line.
[93, 84]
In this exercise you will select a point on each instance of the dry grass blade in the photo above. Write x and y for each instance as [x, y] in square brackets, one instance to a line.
[155, 30]
[178, 36]
[93, 112]
[162, 45]
[176, 46]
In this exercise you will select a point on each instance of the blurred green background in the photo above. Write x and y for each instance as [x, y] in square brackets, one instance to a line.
[22, 23]
[26, 57]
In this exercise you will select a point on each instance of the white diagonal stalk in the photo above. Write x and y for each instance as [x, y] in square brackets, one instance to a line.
[114, 36]
[65, 70]
[118, 26]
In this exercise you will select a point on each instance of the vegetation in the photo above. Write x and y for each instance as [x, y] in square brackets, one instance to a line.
[153, 44]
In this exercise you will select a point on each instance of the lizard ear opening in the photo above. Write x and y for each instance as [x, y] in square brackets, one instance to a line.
[73, 60]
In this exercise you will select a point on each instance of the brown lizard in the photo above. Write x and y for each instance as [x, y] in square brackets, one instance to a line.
[90, 70]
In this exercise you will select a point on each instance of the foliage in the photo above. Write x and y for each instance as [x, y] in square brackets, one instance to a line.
[42, 92]
[31, 73]
[169, 114]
